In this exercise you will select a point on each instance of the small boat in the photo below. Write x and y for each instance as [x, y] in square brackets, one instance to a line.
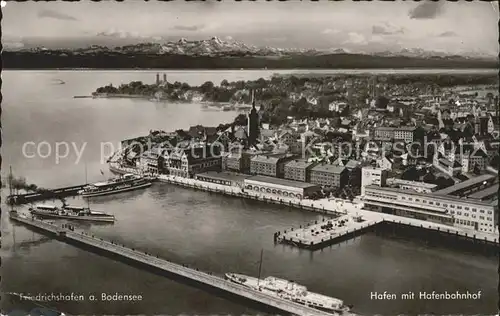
[127, 182]
[58, 81]
[71, 213]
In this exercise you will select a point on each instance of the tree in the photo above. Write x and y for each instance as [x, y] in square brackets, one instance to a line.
[443, 182]
[182, 134]
[410, 174]
[240, 120]
[382, 102]
[429, 178]
[476, 170]
[207, 87]
[224, 83]
[261, 83]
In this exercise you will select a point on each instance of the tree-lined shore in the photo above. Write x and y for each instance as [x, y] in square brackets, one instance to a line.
[290, 95]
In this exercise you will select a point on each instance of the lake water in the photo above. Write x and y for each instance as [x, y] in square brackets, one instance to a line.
[207, 231]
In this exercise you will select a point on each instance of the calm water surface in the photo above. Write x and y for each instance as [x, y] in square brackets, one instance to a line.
[207, 231]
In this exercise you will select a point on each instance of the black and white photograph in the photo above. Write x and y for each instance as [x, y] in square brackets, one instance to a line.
[306, 158]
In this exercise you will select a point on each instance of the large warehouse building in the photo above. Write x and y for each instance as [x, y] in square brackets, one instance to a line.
[279, 188]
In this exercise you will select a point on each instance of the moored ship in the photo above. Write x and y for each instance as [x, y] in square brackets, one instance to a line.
[290, 291]
[71, 213]
[127, 182]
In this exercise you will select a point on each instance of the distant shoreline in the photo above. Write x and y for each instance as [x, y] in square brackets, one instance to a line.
[104, 60]
[149, 98]
[458, 70]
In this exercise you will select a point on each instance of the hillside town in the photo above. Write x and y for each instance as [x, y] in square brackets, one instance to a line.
[431, 156]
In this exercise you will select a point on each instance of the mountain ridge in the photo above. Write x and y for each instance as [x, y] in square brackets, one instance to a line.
[215, 47]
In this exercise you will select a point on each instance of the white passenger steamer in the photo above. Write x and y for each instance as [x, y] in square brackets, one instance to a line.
[71, 213]
[290, 291]
[127, 182]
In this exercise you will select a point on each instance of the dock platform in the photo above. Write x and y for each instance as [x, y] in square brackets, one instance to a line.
[316, 236]
[327, 232]
[81, 238]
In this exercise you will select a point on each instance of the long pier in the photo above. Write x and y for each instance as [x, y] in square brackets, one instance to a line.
[118, 251]
[18, 199]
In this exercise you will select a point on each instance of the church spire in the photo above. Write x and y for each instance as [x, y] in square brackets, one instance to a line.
[253, 99]
[253, 123]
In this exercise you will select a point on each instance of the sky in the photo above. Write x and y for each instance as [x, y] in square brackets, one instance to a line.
[361, 26]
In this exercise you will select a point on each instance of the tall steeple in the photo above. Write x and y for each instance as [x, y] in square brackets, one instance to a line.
[253, 123]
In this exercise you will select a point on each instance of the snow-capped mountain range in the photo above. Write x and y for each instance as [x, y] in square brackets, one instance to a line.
[211, 47]
[217, 47]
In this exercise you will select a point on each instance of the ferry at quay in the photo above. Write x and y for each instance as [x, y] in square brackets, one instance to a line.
[127, 182]
[290, 291]
[71, 213]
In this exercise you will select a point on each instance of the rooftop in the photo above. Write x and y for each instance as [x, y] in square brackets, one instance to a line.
[466, 184]
[486, 193]
[412, 183]
[431, 195]
[328, 168]
[279, 181]
[271, 158]
[299, 164]
[224, 175]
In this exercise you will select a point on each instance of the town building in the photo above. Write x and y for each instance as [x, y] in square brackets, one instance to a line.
[385, 162]
[372, 176]
[470, 186]
[280, 188]
[186, 162]
[298, 170]
[272, 165]
[468, 213]
[403, 133]
[443, 164]
[288, 138]
[416, 186]
[238, 161]
[149, 161]
[467, 155]
[329, 175]
[223, 178]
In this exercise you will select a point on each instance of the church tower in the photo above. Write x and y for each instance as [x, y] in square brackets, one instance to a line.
[253, 124]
